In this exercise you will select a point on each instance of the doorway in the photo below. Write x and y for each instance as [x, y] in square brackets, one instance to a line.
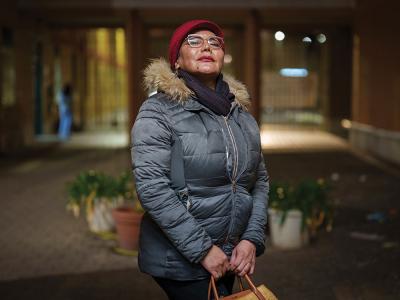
[93, 62]
[293, 77]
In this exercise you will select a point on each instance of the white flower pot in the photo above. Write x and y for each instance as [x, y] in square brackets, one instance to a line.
[288, 235]
[101, 219]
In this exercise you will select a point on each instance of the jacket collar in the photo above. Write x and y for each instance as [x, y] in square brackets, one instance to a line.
[158, 76]
[192, 105]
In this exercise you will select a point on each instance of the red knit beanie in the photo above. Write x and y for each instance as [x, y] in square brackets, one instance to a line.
[181, 33]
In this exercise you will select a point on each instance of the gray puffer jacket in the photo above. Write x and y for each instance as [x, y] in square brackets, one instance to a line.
[223, 169]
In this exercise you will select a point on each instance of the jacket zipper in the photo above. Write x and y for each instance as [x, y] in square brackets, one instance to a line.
[235, 167]
[234, 173]
[235, 155]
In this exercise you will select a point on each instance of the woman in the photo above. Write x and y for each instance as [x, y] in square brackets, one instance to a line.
[199, 169]
[65, 113]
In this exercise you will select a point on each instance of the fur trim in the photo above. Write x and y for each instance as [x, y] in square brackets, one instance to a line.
[159, 76]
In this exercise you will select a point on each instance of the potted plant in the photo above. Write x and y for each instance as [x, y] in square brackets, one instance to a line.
[96, 193]
[127, 216]
[297, 211]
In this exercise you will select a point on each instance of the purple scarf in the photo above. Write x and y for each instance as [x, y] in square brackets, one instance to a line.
[219, 101]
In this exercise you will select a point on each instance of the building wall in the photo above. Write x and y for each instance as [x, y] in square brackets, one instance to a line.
[376, 79]
[377, 88]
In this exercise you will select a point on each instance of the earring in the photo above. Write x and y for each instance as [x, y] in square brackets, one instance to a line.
[176, 69]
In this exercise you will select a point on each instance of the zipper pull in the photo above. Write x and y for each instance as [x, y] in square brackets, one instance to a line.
[184, 196]
[234, 186]
[188, 204]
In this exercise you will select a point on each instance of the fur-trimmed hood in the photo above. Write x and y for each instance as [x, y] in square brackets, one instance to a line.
[159, 76]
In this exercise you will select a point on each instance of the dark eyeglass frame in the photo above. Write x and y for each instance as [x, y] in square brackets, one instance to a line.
[220, 46]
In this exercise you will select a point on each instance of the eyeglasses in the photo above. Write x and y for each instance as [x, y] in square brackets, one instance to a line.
[196, 41]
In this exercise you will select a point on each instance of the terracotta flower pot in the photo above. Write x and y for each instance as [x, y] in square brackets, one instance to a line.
[127, 223]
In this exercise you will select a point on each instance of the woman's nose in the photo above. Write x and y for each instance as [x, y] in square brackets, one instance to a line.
[206, 46]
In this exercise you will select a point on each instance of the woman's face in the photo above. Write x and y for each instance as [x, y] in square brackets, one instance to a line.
[204, 61]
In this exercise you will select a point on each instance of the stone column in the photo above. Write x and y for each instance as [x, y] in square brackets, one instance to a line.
[252, 61]
[135, 63]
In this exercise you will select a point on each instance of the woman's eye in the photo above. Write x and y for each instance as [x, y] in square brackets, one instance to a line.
[195, 41]
[214, 42]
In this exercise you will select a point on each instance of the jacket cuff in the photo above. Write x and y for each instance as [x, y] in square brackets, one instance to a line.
[260, 247]
[204, 253]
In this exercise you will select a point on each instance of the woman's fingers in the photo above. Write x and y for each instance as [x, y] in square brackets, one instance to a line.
[244, 251]
[216, 275]
[253, 266]
[245, 270]
[222, 269]
[216, 262]
[219, 272]
[240, 263]
[233, 261]
[226, 266]
[238, 259]
[242, 260]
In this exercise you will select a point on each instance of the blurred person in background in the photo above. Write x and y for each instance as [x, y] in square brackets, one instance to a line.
[199, 169]
[64, 100]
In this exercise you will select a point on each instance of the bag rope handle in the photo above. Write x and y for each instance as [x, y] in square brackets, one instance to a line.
[253, 288]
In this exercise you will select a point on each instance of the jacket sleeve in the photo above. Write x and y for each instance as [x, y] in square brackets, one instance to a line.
[255, 231]
[151, 160]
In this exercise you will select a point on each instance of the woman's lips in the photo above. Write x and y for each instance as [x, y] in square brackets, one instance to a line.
[206, 59]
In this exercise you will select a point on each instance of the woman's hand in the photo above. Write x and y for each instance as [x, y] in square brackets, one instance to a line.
[216, 262]
[243, 258]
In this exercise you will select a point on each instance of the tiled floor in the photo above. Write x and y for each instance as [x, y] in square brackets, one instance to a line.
[277, 138]
[59, 259]
[273, 138]
[92, 139]
[38, 237]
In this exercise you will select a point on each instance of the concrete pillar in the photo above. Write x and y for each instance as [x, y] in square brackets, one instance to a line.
[252, 61]
[135, 63]
[23, 115]
[340, 76]
[16, 113]
[81, 84]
